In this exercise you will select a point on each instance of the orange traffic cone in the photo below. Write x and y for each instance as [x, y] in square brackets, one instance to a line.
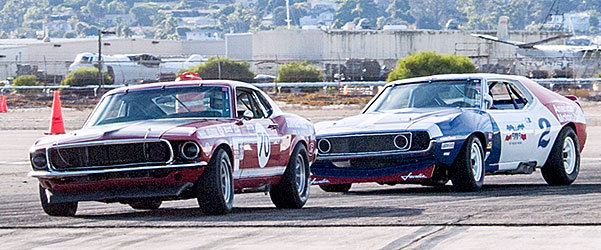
[4, 106]
[2, 100]
[56, 123]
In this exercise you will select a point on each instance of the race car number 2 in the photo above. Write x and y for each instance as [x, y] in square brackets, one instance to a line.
[263, 145]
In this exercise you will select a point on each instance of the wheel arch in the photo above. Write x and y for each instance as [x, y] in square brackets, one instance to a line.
[482, 138]
[227, 149]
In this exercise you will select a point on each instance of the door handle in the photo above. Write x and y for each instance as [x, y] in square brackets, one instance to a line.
[272, 126]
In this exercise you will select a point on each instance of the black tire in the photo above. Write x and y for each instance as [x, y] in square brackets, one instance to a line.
[336, 188]
[56, 209]
[293, 189]
[215, 188]
[145, 204]
[467, 173]
[562, 167]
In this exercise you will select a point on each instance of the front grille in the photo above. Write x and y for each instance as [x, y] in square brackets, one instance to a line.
[363, 143]
[110, 155]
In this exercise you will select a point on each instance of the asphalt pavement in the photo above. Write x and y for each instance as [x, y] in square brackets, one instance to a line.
[511, 212]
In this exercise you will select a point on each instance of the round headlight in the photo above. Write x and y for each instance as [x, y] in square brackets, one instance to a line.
[401, 142]
[189, 150]
[324, 146]
[39, 161]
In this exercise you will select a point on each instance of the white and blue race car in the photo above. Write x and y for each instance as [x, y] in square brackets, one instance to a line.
[434, 129]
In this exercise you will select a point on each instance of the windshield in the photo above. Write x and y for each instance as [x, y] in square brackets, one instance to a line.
[201, 102]
[438, 94]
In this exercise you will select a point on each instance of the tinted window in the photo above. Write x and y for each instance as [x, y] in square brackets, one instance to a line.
[428, 95]
[209, 102]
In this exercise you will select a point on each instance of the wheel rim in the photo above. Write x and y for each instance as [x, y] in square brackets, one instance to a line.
[300, 175]
[569, 155]
[476, 161]
[226, 184]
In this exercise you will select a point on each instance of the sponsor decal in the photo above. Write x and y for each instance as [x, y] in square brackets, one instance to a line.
[544, 139]
[515, 137]
[314, 181]
[410, 176]
[263, 145]
[516, 128]
[565, 113]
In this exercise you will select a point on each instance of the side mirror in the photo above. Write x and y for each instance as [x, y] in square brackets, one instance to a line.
[248, 115]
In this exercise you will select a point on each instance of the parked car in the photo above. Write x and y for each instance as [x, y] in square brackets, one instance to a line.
[430, 130]
[207, 140]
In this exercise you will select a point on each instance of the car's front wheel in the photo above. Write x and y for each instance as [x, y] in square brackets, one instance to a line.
[56, 209]
[145, 204]
[215, 188]
[563, 164]
[467, 173]
[293, 189]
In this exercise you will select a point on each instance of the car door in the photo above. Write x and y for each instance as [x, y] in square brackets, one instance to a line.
[511, 109]
[261, 141]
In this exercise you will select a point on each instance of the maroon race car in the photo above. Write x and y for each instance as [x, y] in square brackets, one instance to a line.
[198, 139]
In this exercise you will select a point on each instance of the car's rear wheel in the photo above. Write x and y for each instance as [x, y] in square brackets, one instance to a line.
[336, 188]
[56, 209]
[563, 165]
[215, 188]
[145, 204]
[293, 189]
[467, 173]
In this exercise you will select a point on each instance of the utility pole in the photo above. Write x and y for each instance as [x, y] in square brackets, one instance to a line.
[288, 13]
[100, 76]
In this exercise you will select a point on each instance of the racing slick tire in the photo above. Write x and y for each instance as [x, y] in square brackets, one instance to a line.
[467, 173]
[563, 165]
[336, 188]
[145, 204]
[215, 188]
[56, 209]
[293, 189]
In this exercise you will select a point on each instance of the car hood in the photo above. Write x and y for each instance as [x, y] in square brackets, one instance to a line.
[397, 120]
[151, 129]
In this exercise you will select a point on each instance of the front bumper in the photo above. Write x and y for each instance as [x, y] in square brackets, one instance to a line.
[120, 185]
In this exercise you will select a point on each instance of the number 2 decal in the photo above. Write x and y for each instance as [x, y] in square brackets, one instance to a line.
[545, 125]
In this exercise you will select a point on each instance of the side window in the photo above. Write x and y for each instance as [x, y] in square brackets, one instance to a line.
[506, 96]
[265, 104]
[245, 100]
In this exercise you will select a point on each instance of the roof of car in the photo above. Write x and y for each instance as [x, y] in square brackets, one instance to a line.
[159, 85]
[455, 77]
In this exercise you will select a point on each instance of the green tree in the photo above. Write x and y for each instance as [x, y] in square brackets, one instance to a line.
[352, 10]
[298, 72]
[223, 68]
[85, 76]
[26, 80]
[400, 9]
[430, 63]
[433, 14]
[143, 13]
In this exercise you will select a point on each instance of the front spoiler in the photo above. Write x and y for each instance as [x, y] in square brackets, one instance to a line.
[397, 174]
[63, 174]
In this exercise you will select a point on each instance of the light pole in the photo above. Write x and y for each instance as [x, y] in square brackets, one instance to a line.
[100, 76]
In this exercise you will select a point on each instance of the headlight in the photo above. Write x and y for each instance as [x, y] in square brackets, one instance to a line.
[38, 160]
[324, 146]
[189, 150]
